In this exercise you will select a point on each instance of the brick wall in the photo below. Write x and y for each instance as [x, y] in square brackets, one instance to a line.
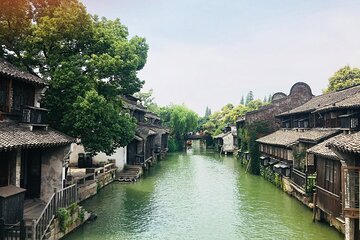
[299, 94]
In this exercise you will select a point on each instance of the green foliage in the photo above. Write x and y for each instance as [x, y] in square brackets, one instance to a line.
[175, 145]
[101, 114]
[88, 61]
[82, 215]
[181, 121]
[73, 208]
[242, 101]
[249, 98]
[63, 216]
[299, 158]
[249, 136]
[207, 112]
[147, 100]
[345, 77]
[228, 115]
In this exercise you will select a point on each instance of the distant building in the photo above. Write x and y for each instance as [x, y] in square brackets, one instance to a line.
[300, 93]
[226, 142]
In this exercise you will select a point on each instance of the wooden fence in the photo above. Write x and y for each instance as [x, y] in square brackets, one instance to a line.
[12, 232]
[329, 202]
[303, 181]
[60, 199]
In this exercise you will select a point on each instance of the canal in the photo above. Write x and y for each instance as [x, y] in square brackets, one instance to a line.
[199, 195]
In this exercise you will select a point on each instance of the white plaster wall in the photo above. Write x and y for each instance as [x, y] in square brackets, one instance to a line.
[228, 143]
[119, 156]
[75, 150]
[52, 170]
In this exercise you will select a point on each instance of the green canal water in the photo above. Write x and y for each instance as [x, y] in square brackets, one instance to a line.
[199, 195]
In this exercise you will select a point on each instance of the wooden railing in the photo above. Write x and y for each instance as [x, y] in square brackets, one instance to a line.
[92, 174]
[60, 199]
[328, 202]
[303, 181]
[299, 178]
[34, 115]
[12, 232]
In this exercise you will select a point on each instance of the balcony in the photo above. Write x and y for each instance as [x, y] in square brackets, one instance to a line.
[303, 181]
[34, 115]
[328, 202]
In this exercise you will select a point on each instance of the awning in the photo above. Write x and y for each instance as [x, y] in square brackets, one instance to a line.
[347, 115]
[303, 119]
[281, 165]
[273, 161]
[138, 138]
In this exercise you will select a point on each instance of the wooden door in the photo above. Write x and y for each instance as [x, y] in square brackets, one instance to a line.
[33, 173]
[4, 169]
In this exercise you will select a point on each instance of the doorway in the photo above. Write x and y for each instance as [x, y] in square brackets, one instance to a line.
[31, 174]
[4, 169]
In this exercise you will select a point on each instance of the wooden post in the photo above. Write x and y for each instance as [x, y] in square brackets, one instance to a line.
[314, 206]
[22, 230]
[55, 200]
[76, 193]
[306, 182]
[33, 230]
[2, 229]
[10, 95]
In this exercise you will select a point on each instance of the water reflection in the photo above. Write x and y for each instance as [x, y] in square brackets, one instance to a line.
[199, 195]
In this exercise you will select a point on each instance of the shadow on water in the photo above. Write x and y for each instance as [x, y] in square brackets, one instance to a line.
[199, 195]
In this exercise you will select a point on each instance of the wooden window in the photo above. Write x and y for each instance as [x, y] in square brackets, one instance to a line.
[4, 95]
[331, 172]
[22, 95]
[285, 153]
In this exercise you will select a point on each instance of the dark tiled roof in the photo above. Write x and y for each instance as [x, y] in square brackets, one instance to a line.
[240, 119]
[346, 143]
[352, 101]
[13, 135]
[144, 131]
[221, 135]
[11, 71]
[281, 138]
[132, 105]
[324, 100]
[322, 150]
[318, 134]
[160, 129]
[152, 115]
[289, 137]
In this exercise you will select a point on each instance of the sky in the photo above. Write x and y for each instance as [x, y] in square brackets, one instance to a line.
[212, 52]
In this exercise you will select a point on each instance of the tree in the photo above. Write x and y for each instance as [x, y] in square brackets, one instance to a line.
[148, 100]
[253, 132]
[181, 121]
[255, 104]
[249, 98]
[343, 78]
[80, 55]
[207, 112]
[270, 98]
[265, 99]
[100, 115]
[242, 101]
